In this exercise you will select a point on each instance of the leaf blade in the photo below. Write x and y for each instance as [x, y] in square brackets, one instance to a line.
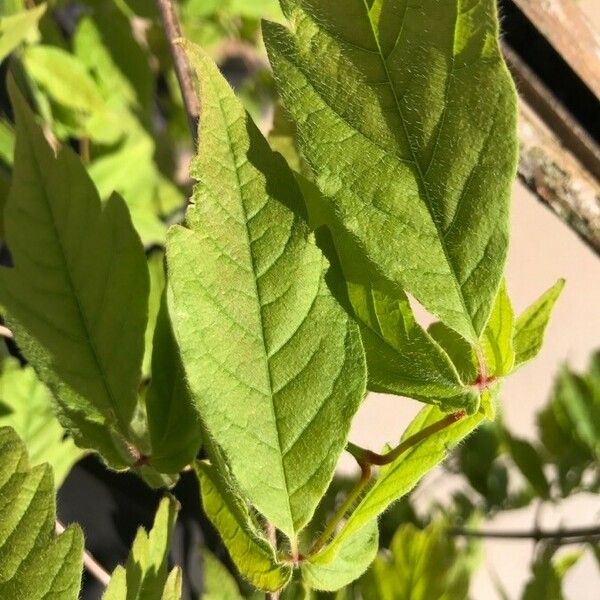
[348, 70]
[257, 325]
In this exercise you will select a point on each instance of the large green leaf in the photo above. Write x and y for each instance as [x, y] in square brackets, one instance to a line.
[531, 324]
[15, 29]
[173, 422]
[77, 294]
[250, 551]
[275, 365]
[406, 114]
[400, 476]
[26, 406]
[145, 574]
[34, 564]
[336, 567]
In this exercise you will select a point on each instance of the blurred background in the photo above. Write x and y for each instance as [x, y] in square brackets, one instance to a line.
[100, 75]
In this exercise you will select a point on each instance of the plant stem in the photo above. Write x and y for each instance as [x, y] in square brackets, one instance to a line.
[363, 455]
[348, 503]
[182, 67]
[576, 535]
[89, 562]
[366, 459]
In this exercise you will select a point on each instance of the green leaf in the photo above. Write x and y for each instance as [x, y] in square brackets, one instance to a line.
[531, 325]
[173, 422]
[461, 353]
[34, 564]
[64, 78]
[399, 477]
[497, 337]
[250, 551]
[219, 584]
[338, 566]
[16, 29]
[420, 108]
[424, 564]
[173, 589]
[275, 365]
[402, 358]
[156, 270]
[7, 142]
[77, 297]
[26, 406]
[547, 575]
[526, 457]
[145, 573]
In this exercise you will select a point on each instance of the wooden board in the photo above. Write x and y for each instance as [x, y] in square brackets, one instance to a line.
[571, 34]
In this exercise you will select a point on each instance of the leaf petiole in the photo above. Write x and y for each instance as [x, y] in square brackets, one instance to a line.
[366, 459]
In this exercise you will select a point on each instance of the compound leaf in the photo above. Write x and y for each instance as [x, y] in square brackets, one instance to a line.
[406, 114]
[275, 365]
[34, 564]
[250, 551]
[531, 324]
[76, 296]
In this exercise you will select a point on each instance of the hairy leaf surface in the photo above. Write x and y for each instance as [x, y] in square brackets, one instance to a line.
[252, 554]
[34, 564]
[173, 421]
[531, 324]
[77, 294]
[26, 406]
[336, 567]
[406, 114]
[275, 365]
[497, 338]
[145, 575]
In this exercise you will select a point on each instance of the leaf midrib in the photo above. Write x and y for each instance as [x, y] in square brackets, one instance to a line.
[258, 305]
[420, 173]
[82, 317]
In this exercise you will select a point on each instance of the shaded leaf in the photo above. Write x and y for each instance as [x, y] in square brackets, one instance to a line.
[275, 365]
[173, 422]
[77, 297]
[526, 457]
[34, 564]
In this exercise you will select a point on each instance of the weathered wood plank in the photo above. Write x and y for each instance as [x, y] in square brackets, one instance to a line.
[565, 26]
